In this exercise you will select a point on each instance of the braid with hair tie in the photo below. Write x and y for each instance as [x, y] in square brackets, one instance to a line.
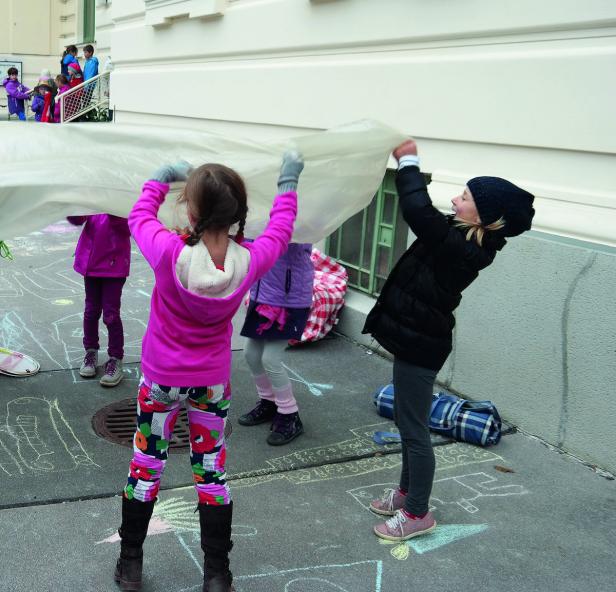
[196, 234]
[239, 235]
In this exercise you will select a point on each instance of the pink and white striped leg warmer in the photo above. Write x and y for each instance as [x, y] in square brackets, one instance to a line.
[285, 401]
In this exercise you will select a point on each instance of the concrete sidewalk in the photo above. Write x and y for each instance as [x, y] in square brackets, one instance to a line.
[518, 516]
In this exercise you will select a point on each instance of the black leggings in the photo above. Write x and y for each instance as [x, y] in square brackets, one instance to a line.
[413, 388]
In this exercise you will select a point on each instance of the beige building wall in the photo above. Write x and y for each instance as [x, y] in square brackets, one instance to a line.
[517, 89]
[36, 32]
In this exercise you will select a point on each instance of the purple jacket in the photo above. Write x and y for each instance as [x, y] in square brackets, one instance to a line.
[16, 93]
[38, 103]
[103, 249]
[289, 282]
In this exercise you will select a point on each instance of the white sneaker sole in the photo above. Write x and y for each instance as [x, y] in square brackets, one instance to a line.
[109, 383]
[382, 512]
[389, 537]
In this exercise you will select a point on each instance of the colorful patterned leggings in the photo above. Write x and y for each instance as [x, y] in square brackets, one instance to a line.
[157, 411]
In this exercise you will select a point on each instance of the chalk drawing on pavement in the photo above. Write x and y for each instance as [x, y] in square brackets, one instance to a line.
[15, 335]
[315, 460]
[68, 331]
[53, 281]
[176, 515]
[358, 576]
[315, 388]
[443, 535]
[462, 491]
[35, 437]
[39, 290]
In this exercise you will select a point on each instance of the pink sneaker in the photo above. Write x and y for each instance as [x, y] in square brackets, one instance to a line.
[401, 528]
[391, 501]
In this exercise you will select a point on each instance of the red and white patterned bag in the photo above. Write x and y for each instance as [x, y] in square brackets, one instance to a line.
[329, 288]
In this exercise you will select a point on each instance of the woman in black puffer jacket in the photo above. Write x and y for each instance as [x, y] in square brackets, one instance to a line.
[413, 317]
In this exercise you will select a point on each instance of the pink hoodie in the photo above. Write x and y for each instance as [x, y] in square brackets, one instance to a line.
[188, 338]
[103, 249]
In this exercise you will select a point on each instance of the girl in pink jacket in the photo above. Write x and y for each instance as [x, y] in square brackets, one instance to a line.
[103, 259]
[200, 281]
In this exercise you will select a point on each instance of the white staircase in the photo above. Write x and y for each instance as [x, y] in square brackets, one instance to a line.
[89, 95]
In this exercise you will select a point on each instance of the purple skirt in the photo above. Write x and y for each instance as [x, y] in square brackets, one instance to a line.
[293, 328]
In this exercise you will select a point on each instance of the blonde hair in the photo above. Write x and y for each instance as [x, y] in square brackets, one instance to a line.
[477, 230]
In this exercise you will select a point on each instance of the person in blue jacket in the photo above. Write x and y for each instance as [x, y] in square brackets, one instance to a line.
[90, 68]
[69, 56]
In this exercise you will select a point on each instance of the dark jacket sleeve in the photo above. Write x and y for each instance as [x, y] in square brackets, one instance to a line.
[427, 223]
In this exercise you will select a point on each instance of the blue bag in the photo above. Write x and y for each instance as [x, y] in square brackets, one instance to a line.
[384, 401]
[476, 422]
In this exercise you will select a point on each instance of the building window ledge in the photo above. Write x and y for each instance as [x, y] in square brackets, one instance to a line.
[162, 12]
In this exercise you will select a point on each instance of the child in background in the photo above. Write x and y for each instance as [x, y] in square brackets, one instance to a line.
[278, 311]
[62, 85]
[41, 103]
[103, 258]
[17, 94]
[74, 101]
[90, 68]
[45, 78]
[69, 56]
[201, 279]
[75, 75]
[413, 317]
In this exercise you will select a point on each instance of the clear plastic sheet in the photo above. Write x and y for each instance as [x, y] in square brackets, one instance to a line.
[48, 172]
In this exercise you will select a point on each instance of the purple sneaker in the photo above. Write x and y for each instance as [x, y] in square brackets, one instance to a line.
[263, 412]
[285, 427]
[113, 372]
[88, 366]
[391, 501]
[401, 528]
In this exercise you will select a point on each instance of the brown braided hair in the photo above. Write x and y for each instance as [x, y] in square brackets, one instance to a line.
[215, 198]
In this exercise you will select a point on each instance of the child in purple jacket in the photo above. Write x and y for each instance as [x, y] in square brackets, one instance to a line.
[278, 311]
[42, 103]
[201, 280]
[17, 94]
[103, 258]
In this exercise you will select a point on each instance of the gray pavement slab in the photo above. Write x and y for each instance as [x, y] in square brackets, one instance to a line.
[549, 525]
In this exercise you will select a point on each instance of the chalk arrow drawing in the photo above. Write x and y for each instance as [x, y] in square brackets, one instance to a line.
[315, 388]
[443, 535]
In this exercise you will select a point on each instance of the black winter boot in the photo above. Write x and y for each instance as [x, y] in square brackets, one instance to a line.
[135, 519]
[215, 522]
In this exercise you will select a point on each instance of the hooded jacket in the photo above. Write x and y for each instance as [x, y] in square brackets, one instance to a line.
[17, 93]
[65, 61]
[90, 68]
[56, 108]
[42, 107]
[188, 338]
[413, 316]
[103, 249]
[289, 282]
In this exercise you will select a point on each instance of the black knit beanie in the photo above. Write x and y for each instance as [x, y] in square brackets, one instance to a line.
[497, 198]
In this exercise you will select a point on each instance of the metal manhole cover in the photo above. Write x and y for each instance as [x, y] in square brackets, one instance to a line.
[116, 423]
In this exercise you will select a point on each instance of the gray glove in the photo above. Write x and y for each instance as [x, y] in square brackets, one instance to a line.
[169, 173]
[292, 166]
